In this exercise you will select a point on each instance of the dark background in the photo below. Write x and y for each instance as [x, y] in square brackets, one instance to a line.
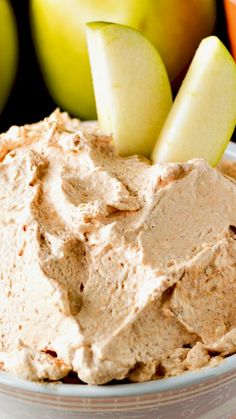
[29, 100]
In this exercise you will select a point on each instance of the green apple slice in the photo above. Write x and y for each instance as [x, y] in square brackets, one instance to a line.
[132, 89]
[203, 116]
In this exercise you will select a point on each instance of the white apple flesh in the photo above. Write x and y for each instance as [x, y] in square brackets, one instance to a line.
[203, 116]
[132, 89]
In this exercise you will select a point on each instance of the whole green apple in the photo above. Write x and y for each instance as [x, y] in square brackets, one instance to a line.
[8, 50]
[174, 26]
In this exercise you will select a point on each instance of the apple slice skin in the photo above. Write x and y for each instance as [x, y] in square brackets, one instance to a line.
[8, 50]
[132, 89]
[203, 116]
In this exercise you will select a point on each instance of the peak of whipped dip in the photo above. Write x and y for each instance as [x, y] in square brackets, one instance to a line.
[110, 267]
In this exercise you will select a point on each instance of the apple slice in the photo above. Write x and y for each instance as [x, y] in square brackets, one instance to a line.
[203, 116]
[132, 89]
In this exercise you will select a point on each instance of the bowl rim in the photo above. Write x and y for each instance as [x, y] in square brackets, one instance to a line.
[164, 385]
[230, 151]
[170, 384]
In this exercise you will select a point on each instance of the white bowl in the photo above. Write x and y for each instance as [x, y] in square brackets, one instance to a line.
[209, 393]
